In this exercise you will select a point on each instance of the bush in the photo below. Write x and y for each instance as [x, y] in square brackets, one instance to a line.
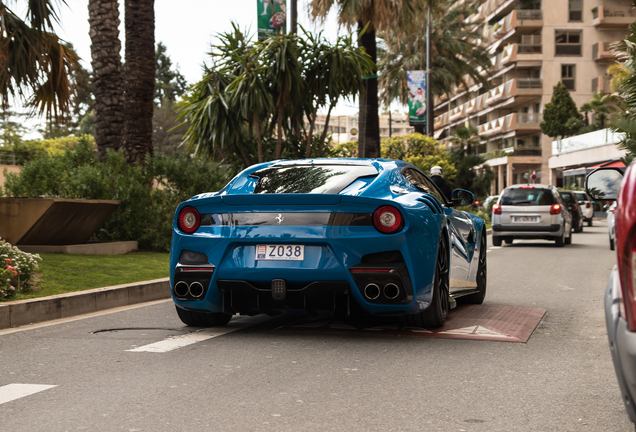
[148, 194]
[420, 150]
[16, 270]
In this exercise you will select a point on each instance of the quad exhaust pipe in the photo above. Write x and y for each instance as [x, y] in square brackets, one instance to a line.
[182, 289]
[372, 291]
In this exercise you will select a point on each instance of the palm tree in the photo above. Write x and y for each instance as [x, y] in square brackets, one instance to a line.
[370, 16]
[332, 72]
[456, 53]
[280, 54]
[103, 17]
[35, 65]
[601, 104]
[586, 108]
[139, 81]
[465, 138]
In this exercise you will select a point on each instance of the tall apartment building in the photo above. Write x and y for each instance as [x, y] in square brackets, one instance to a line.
[534, 45]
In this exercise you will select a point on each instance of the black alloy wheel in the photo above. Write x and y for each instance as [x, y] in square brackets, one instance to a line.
[478, 297]
[568, 239]
[435, 315]
[203, 319]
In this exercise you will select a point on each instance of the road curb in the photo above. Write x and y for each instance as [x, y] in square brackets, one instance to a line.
[22, 312]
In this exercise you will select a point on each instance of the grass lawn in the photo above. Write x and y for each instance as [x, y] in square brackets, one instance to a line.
[63, 273]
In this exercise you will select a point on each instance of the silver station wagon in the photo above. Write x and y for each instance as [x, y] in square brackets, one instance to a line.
[531, 212]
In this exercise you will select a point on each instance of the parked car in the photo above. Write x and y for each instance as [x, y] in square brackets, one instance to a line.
[611, 228]
[587, 206]
[531, 212]
[572, 202]
[620, 302]
[329, 236]
[489, 202]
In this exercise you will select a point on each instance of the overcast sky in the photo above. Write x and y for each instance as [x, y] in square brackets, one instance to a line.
[186, 27]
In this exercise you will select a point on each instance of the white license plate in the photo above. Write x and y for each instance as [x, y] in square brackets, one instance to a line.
[525, 218]
[280, 252]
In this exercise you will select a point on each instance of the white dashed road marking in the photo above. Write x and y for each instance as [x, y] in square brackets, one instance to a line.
[16, 391]
[177, 342]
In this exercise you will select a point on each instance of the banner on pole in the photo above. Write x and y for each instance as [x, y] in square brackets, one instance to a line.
[417, 97]
[272, 17]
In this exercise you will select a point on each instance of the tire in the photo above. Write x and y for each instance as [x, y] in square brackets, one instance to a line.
[436, 313]
[509, 241]
[202, 319]
[560, 241]
[611, 243]
[568, 240]
[496, 241]
[478, 297]
[589, 222]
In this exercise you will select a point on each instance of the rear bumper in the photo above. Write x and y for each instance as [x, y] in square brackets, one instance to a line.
[622, 344]
[528, 231]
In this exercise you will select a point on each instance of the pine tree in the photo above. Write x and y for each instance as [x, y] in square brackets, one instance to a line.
[557, 113]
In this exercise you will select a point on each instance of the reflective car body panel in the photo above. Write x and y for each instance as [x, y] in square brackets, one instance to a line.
[336, 233]
[622, 343]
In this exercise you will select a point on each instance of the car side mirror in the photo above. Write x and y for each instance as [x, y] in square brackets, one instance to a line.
[604, 183]
[461, 197]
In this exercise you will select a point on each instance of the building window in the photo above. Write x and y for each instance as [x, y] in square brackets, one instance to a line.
[575, 10]
[568, 42]
[568, 76]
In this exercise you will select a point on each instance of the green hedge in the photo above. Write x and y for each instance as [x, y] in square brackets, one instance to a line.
[148, 194]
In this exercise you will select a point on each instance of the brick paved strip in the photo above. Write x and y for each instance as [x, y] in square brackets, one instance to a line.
[22, 312]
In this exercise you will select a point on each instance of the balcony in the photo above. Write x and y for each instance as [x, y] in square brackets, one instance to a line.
[601, 85]
[601, 52]
[512, 151]
[514, 88]
[608, 17]
[519, 122]
[440, 121]
[456, 113]
[527, 18]
[529, 49]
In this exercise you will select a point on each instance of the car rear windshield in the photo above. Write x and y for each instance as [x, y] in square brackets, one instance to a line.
[314, 179]
[568, 196]
[581, 196]
[527, 197]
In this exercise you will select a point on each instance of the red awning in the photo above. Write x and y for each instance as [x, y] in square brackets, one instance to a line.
[615, 164]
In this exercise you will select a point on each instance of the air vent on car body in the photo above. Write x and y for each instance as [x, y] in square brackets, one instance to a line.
[431, 204]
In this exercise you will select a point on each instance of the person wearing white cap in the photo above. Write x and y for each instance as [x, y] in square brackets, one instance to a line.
[437, 175]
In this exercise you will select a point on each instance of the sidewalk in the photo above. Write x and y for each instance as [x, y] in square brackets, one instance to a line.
[22, 312]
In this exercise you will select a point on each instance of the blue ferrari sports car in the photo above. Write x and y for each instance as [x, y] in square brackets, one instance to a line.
[337, 236]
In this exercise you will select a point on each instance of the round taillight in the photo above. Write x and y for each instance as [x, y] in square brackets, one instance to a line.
[496, 209]
[555, 209]
[388, 220]
[189, 220]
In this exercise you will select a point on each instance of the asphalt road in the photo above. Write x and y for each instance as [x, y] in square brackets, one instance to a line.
[258, 378]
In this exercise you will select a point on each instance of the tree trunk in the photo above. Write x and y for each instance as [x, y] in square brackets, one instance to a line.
[310, 136]
[107, 80]
[324, 132]
[139, 83]
[368, 118]
[259, 143]
[279, 127]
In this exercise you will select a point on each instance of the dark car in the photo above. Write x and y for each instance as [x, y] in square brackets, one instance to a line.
[572, 200]
[620, 301]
